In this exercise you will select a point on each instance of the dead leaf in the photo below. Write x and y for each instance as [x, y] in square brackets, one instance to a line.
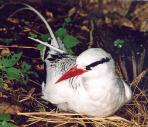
[9, 108]
[2, 95]
[72, 11]
[13, 20]
[3, 29]
[49, 14]
[84, 28]
[144, 26]
[5, 51]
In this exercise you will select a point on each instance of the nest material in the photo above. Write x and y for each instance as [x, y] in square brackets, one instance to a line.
[134, 114]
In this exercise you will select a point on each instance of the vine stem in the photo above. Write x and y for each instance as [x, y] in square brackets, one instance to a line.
[91, 34]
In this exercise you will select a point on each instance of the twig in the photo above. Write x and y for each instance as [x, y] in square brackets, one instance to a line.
[123, 68]
[34, 82]
[16, 46]
[28, 96]
[142, 60]
[48, 45]
[47, 113]
[138, 78]
[71, 118]
[134, 65]
[91, 34]
[71, 114]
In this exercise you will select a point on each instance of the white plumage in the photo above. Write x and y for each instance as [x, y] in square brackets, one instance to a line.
[97, 92]
[93, 89]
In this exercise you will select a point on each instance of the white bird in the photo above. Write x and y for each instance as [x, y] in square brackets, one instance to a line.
[87, 84]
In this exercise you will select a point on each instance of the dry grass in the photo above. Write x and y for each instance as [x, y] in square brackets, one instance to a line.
[134, 114]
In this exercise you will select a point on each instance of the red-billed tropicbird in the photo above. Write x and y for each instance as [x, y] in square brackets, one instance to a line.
[87, 84]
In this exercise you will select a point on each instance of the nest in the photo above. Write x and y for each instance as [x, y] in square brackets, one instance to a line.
[134, 114]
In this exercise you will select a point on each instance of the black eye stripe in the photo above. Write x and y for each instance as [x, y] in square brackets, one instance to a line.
[103, 60]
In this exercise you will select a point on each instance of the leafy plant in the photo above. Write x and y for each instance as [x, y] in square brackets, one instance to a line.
[33, 35]
[7, 40]
[66, 21]
[11, 70]
[45, 37]
[5, 121]
[61, 33]
[68, 40]
[119, 43]
[25, 69]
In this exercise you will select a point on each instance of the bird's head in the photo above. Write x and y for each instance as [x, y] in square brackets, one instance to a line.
[90, 63]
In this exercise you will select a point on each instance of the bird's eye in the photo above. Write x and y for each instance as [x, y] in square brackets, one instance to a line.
[88, 68]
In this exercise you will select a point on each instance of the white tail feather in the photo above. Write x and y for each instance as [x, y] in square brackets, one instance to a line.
[48, 45]
[55, 45]
[54, 41]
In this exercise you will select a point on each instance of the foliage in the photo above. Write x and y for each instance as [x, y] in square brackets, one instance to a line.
[61, 33]
[68, 40]
[33, 35]
[10, 69]
[5, 121]
[45, 38]
[119, 43]
[66, 21]
[8, 40]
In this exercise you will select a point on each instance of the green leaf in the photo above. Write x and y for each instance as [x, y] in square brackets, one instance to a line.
[13, 73]
[16, 57]
[70, 51]
[10, 60]
[70, 41]
[8, 40]
[33, 35]
[45, 37]
[33, 73]
[67, 20]
[5, 117]
[11, 125]
[119, 43]
[40, 47]
[61, 33]
[24, 79]
[1, 82]
[25, 66]
[25, 22]
[4, 124]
